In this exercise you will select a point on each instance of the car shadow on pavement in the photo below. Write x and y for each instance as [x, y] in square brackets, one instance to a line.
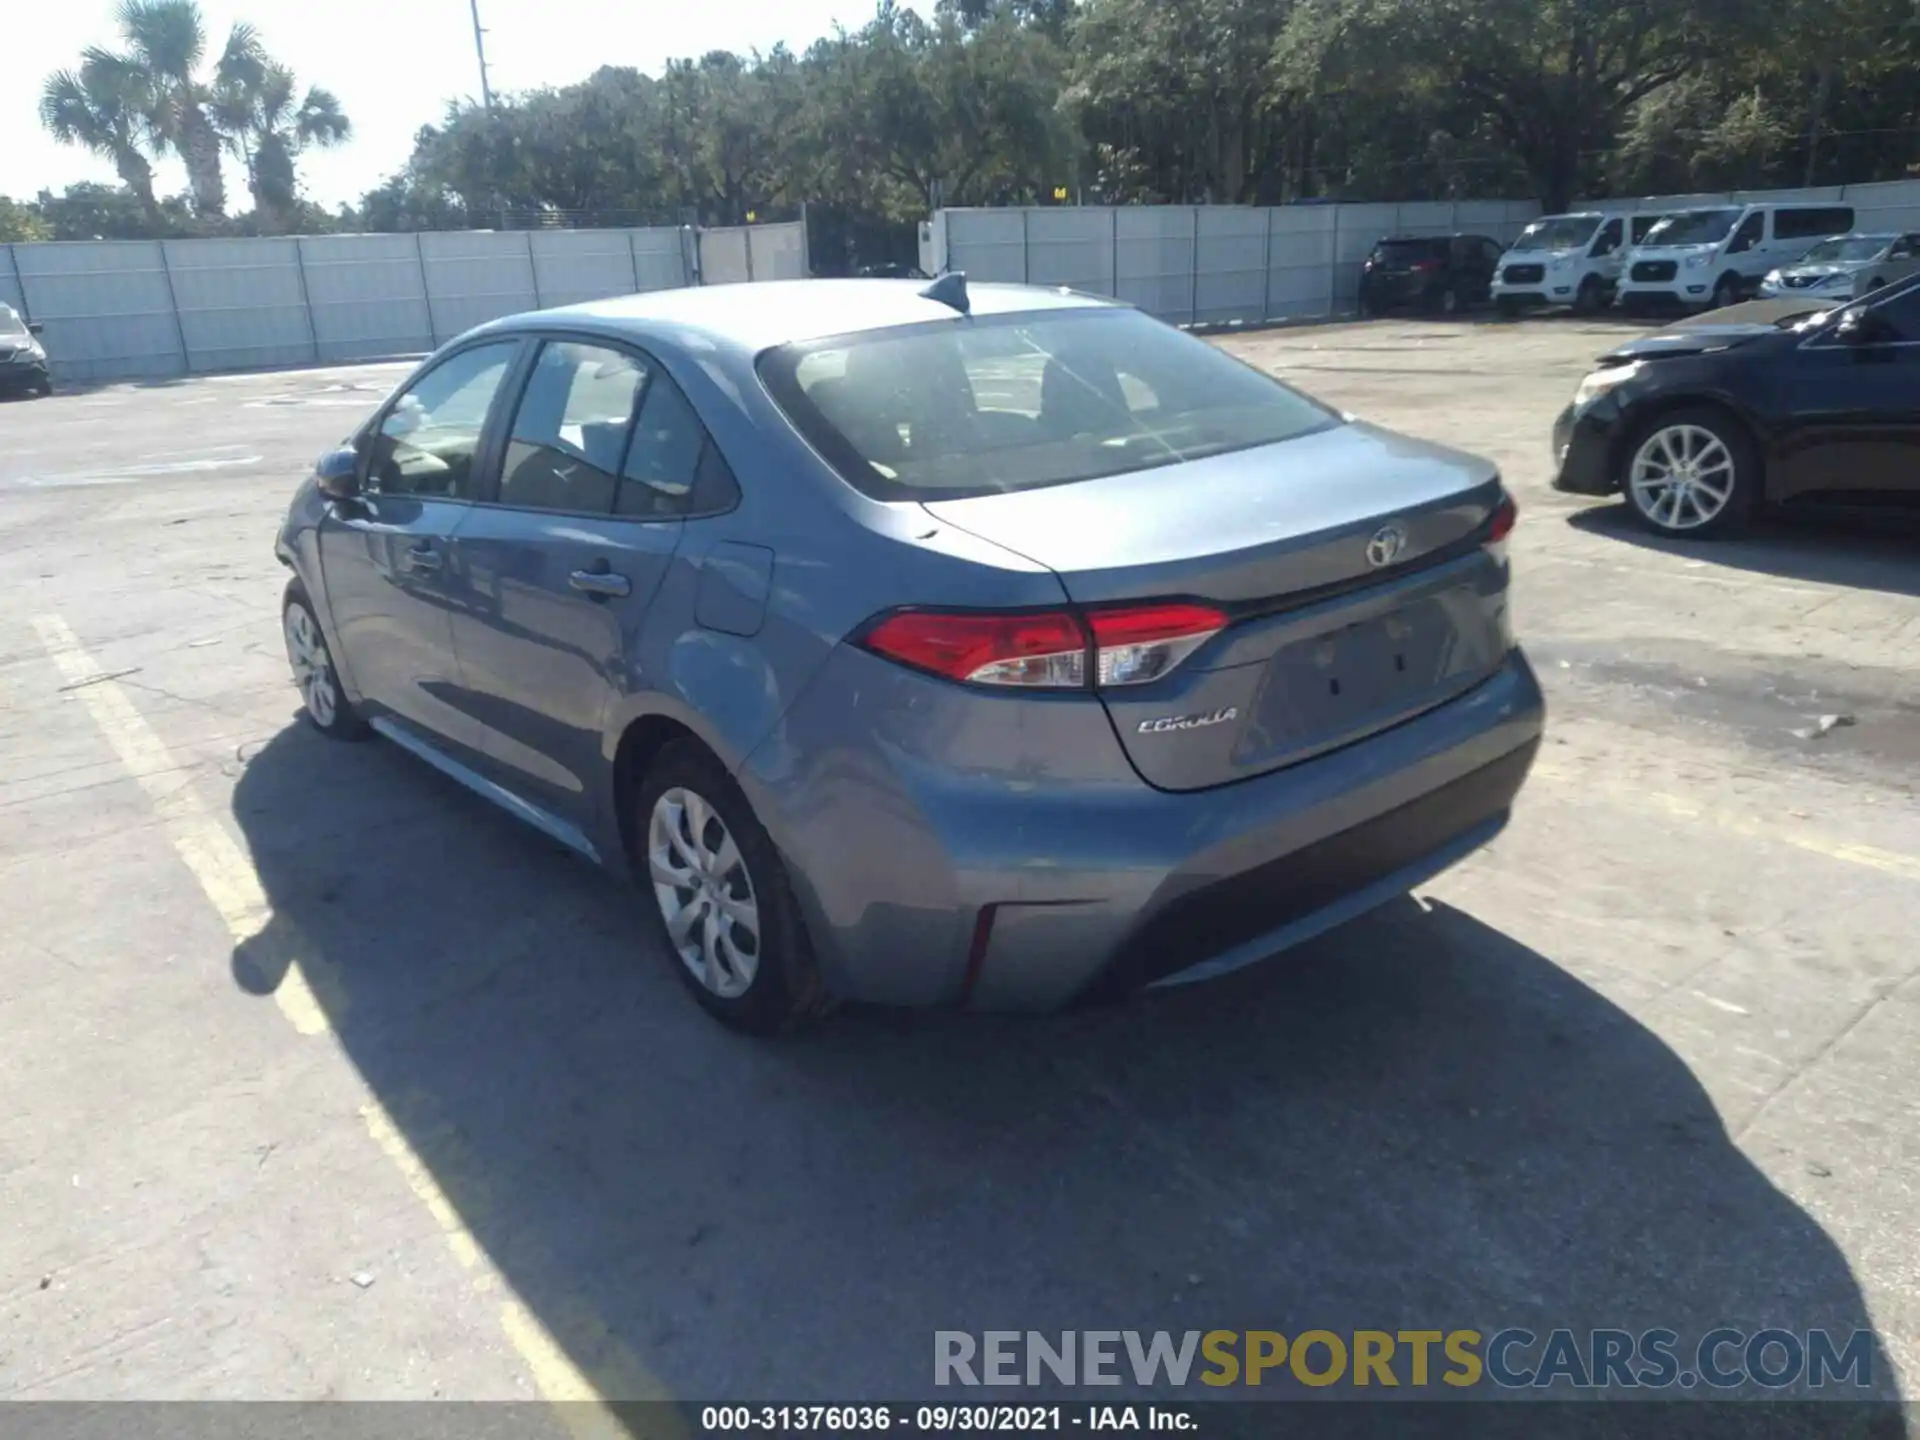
[1863, 551]
[1414, 1123]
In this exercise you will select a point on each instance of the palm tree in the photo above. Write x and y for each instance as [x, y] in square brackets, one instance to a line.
[258, 114]
[99, 109]
[166, 42]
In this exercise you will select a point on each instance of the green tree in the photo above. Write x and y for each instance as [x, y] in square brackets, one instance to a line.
[21, 222]
[166, 45]
[89, 211]
[99, 107]
[268, 123]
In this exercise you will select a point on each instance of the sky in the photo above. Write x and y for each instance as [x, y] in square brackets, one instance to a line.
[394, 64]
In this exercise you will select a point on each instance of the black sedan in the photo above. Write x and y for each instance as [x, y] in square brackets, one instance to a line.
[1783, 403]
[23, 363]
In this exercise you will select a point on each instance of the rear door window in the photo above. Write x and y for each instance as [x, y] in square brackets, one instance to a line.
[570, 430]
[1809, 222]
[664, 463]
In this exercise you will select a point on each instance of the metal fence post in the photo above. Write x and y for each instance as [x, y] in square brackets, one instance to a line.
[1266, 272]
[1193, 272]
[1333, 264]
[633, 261]
[1026, 249]
[533, 272]
[426, 294]
[173, 303]
[306, 296]
[19, 281]
[1113, 218]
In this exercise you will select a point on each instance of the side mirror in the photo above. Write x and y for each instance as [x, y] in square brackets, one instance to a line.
[34, 327]
[338, 473]
[1866, 327]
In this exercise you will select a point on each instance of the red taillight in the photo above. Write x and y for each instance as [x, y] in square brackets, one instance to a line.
[987, 647]
[1143, 642]
[1426, 265]
[1504, 517]
[1050, 650]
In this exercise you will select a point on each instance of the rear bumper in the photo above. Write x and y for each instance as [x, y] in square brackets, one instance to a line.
[1000, 886]
[1400, 292]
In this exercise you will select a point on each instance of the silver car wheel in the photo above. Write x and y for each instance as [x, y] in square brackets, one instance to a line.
[705, 894]
[1681, 477]
[312, 666]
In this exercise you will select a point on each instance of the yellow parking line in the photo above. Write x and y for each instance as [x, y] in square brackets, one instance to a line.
[231, 884]
[1678, 807]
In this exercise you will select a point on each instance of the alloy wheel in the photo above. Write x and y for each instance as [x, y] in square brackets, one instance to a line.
[312, 666]
[1682, 477]
[705, 894]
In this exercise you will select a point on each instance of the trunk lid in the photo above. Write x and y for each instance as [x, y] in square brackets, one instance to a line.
[1349, 560]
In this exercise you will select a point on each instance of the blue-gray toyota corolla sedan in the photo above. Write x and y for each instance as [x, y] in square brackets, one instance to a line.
[922, 644]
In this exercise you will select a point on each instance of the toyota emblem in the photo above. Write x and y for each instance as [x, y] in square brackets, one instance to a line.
[1385, 546]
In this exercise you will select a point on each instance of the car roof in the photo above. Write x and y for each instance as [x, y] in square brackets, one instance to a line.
[756, 315]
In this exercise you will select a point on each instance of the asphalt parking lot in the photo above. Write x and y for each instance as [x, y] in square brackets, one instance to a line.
[325, 1080]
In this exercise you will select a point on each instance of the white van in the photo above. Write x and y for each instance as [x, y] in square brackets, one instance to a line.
[1568, 260]
[1719, 255]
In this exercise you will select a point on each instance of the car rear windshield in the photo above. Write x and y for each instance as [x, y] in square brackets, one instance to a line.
[1404, 252]
[1558, 232]
[1692, 227]
[1016, 402]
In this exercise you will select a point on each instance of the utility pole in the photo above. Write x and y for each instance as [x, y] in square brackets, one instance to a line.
[480, 49]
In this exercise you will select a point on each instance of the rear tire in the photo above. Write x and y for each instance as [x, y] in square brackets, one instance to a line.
[713, 876]
[1692, 474]
[1448, 301]
[322, 697]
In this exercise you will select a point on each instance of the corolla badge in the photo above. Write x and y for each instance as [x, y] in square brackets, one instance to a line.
[1188, 722]
[1385, 545]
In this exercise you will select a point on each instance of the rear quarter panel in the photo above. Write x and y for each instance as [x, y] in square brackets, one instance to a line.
[838, 559]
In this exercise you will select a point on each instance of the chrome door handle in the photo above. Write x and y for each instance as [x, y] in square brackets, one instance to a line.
[600, 582]
[423, 557]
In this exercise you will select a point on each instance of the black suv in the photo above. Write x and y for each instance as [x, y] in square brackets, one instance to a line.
[1441, 273]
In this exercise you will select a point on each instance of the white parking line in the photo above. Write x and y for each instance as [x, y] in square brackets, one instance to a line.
[232, 886]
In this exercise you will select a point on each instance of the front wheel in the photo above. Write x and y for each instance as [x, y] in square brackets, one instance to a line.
[1591, 297]
[1507, 307]
[1694, 474]
[325, 702]
[725, 909]
[1727, 292]
[43, 387]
